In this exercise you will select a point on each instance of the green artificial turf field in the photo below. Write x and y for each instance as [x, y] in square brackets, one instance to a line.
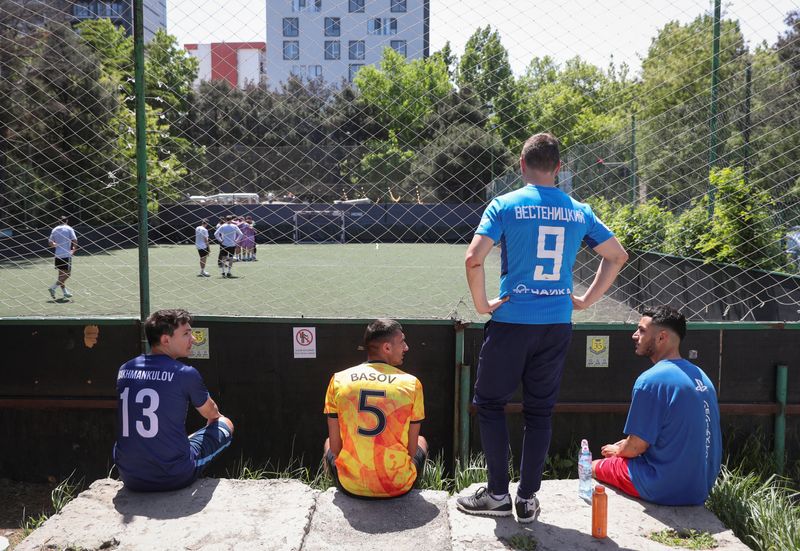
[406, 281]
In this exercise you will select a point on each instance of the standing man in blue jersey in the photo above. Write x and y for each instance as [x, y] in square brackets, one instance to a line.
[152, 451]
[673, 451]
[539, 229]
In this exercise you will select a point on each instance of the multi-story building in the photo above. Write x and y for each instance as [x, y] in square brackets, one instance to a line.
[240, 63]
[120, 12]
[333, 39]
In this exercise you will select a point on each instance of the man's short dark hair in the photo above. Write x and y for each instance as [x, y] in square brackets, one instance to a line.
[204, 222]
[540, 152]
[164, 322]
[229, 218]
[668, 317]
[64, 219]
[380, 330]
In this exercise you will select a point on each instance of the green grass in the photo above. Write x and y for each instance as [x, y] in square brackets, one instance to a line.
[62, 494]
[245, 469]
[685, 540]
[521, 542]
[406, 281]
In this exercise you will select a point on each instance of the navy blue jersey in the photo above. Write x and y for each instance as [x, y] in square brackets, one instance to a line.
[674, 409]
[152, 450]
[540, 230]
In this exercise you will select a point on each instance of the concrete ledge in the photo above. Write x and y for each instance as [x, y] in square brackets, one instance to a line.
[211, 514]
[221, 514]
[565, 522]
[418, 520]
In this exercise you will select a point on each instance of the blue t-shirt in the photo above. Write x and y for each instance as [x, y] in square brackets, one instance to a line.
[152, 450]
[540, 230]
[674, 409]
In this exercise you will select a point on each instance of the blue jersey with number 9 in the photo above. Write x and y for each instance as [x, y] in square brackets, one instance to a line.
[540, 230]
[152, 450]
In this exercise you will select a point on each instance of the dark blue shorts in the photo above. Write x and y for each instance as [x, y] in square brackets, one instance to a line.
[207, 443]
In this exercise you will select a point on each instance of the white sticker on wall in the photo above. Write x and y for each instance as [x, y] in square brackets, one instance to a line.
[305, 342]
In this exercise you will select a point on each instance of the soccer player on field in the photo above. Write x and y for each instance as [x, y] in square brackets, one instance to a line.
[65, 242]
[152, 451]
[374, 411]
[201, 242]
[228, 235]
[539, 229]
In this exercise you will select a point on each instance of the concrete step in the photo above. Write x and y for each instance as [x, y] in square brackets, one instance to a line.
[222, 514]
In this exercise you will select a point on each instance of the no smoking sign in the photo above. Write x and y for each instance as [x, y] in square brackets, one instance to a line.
[305, 342]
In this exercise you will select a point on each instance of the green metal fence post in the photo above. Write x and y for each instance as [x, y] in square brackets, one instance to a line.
[141, 161]
[712, 147]
[633, 159]
[459, 360]
[464, 415]
[748, 90]
[780, 418]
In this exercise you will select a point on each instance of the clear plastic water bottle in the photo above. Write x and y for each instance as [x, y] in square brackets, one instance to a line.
[585, 484]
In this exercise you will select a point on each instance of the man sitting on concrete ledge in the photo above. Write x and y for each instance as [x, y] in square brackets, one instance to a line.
[673, 450]
[152, 451]
[374, 411]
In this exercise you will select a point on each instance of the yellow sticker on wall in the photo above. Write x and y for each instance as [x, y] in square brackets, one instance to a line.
[200, 348]
[597, 350]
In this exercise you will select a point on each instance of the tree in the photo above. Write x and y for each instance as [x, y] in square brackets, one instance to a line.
[579, 103]
[675, 97]
[404, 93]
[742, 229]
[485, 69]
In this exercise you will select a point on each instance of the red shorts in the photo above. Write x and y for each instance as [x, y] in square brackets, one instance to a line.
[615, 472]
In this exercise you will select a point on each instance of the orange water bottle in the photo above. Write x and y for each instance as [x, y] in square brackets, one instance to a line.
[599, 512]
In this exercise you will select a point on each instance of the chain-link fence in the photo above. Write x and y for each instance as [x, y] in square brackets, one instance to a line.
[358, 141]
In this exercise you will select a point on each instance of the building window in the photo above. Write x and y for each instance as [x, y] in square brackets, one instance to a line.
[385, 26]
[356, 6]
[307, 5]
[291, 49]
[333, 49]
[352, 70]
[291, 26]
[400, 46]
[81, 10]
[333, 26]
[91, 9]
[398, 6]
[307, 71]
[357, 50]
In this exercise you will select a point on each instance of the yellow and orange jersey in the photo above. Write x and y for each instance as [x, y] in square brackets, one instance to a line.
[375, 404]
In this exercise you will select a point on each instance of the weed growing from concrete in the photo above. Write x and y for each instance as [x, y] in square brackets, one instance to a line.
[433, 476]
[62, 494]
[691, 539]
[521, 542]
[245, 469]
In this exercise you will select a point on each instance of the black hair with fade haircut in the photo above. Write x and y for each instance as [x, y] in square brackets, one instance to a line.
[668, 317]
[540, 152]
[164, 322]
[380, 330]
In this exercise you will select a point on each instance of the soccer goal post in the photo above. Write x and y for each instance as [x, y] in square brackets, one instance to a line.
[319, 226]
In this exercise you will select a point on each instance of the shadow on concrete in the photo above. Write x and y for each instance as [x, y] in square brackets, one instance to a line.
[383, 516]
[165, 505]
[681, 518]
[550, 537]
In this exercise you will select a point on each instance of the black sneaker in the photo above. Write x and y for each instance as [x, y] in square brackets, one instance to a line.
[527, 509]
[481, 503]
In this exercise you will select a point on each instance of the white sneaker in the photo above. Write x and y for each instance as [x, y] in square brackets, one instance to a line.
[205, 274]
[52, 292]
[67, 294]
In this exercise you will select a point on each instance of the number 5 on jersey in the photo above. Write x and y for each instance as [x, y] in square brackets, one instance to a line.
[556, 253]
[380, 416]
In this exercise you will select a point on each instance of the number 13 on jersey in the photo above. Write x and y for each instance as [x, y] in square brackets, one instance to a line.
[554, 252]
